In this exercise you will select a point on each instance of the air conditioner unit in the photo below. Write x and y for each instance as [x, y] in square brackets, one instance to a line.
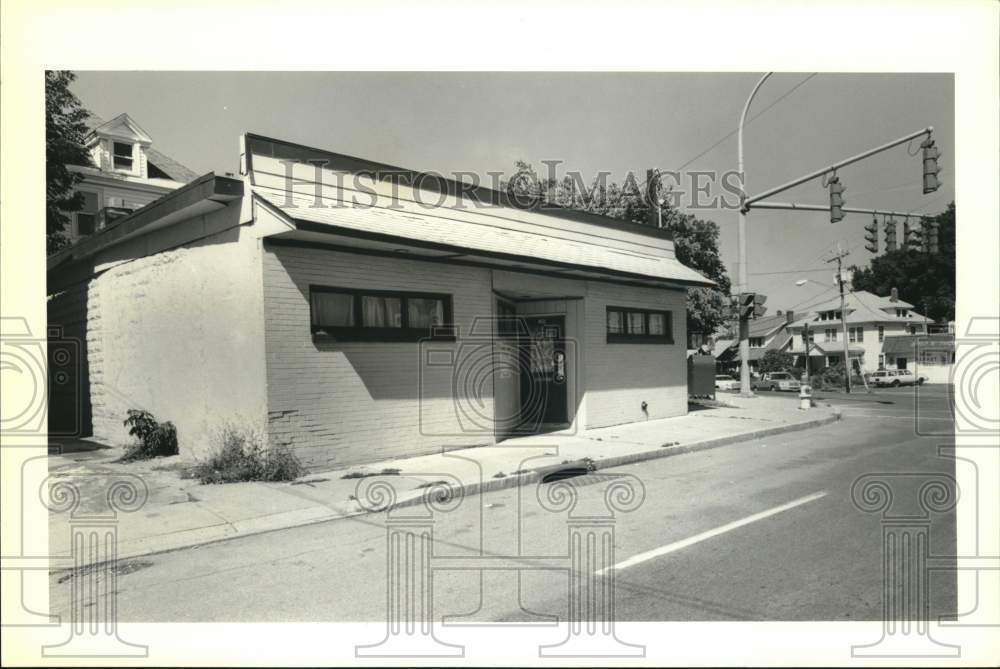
[108, 215]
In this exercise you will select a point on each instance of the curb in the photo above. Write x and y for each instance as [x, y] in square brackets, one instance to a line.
[312, 516]
[533, 475]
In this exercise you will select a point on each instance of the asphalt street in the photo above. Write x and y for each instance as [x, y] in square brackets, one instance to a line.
[759, 530]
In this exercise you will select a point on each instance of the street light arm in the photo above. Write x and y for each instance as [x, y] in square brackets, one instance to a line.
[739, 132]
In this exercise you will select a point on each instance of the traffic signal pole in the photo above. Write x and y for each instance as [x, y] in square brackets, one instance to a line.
[742, 274]
[931, 155]
[835, 166]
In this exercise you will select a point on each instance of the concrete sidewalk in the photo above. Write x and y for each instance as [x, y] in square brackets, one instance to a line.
[180, 513]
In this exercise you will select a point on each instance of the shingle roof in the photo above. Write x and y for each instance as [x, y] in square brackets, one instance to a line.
[762, 326]
[171, 167]
[862, 307]
[165, 163]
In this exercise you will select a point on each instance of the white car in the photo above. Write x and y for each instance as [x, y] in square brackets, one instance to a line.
[895, 378]
[776, 381]
[725, 382]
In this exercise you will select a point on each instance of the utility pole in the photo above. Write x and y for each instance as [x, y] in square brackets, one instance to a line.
[806, 334]
[837, 258]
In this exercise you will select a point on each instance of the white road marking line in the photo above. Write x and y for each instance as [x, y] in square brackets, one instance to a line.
[698, 538]
[898, 417]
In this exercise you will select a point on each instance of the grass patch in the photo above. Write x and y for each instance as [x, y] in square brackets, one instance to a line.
[241, 456]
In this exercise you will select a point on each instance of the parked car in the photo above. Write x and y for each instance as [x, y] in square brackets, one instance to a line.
[776, 381]
[726, 382]
[895, 378]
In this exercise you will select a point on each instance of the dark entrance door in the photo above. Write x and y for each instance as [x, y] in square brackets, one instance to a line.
[543, 375]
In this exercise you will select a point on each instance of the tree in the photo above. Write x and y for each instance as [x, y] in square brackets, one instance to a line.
[927, 281]
[65, 129]
[696, 241]
[775, 361]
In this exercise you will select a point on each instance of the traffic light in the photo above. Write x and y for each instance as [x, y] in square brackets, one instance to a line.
[932, 237]
[890, 236]
[911, 237]
[758, 305]
[931, 167]
[751, 305]
[836, 199]
[871, 236]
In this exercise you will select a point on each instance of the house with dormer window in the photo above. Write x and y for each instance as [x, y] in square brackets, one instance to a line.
[127, 174]
[869, 318]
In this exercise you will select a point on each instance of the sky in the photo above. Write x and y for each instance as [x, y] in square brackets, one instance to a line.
[590, 121]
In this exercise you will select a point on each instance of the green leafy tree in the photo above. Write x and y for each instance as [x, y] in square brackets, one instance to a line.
[926, 281]
[65, 129]
[775, 361]
[696, 241]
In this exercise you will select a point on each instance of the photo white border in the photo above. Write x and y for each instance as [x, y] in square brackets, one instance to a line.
[831, 35]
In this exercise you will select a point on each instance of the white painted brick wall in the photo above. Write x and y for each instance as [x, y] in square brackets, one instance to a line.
[620, 377]
[179, 333]
[339, 404]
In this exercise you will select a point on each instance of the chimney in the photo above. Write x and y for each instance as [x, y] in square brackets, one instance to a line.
[778, 312]
[894, 295]
[789, 316]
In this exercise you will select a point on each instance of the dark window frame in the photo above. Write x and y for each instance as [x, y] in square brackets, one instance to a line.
[627, 337]
[360, 333]
[115, 156]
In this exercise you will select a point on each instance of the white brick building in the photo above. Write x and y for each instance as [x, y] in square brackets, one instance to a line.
[355, 311]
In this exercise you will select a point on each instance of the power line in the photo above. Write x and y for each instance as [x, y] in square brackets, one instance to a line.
[790, 271]
[752, 118]
[733, 132]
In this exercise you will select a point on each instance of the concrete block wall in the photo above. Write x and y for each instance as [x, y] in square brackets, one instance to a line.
[179, 333]
[337, 404]
[620, 377]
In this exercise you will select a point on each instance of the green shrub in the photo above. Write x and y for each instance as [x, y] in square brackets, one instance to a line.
[241, 456]
[153, 439]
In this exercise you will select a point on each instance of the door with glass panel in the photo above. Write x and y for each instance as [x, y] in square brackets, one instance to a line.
[544, 402]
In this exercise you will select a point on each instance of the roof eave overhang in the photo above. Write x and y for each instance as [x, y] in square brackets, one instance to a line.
[203, 195]
[462, 255]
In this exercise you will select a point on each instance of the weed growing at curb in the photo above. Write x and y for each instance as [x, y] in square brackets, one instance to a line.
[241, 456]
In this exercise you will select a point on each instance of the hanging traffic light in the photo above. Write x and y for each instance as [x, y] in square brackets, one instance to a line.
[871, 236]
[932, 237]
[931, 167]
[758, 305]
[890, 236]
[836, 199]
[911, 237]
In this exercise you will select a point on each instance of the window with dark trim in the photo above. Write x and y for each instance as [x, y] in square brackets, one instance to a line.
[86, 218]
[348, 314]
[626, 325]
[122, 156]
